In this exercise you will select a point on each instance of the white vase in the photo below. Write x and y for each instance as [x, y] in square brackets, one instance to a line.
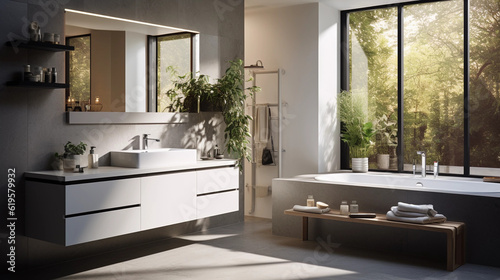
[70, 162]
[383, 161]
[360, 165]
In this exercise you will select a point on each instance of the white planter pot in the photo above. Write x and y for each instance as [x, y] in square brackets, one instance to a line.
[393, 163]
[360, 165]
[383, 161]
[70, 163]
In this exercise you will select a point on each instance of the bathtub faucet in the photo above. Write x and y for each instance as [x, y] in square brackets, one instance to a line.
[424, 171]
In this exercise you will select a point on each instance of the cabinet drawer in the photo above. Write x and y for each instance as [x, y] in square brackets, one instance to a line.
[168, 199]
[217, 179]
[88, 197]
[216, 204]
[87, 228]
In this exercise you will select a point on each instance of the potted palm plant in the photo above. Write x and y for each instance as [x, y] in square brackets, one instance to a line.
[356, 130]
[386, 139]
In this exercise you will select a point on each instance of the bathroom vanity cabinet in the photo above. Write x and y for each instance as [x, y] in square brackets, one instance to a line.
[74, 208]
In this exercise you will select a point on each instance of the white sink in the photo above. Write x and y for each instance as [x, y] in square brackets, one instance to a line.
[154, 158]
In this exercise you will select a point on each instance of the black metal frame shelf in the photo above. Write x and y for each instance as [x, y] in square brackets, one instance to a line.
[45, 46]
[36, 84]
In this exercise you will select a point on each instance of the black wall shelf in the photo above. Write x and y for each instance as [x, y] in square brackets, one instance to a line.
[36, 84]
[45, 46]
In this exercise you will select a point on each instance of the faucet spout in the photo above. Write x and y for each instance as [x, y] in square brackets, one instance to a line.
[422, 153]
[145, 140]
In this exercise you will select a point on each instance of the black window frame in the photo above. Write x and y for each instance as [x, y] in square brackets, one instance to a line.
[152, 75]
[344, 80]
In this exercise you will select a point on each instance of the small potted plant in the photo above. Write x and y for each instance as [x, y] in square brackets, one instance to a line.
[356, 130]
[57, 162]
[71, 156]
[386, 139]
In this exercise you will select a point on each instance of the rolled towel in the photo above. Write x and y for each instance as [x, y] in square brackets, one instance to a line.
[439, 218]
[310, 209]
[423, 208]
[400, 213]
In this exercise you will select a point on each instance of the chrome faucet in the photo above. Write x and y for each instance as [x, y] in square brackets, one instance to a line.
[145, 140]
[424, 167]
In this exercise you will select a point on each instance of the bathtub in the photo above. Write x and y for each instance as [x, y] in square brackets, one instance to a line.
[467, 200]
[472, 186]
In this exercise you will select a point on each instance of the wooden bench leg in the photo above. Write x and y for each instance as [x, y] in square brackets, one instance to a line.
[460, 250]
[305, 229]
[450, 250]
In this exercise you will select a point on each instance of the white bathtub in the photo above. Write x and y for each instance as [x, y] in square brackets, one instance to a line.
[445, 184]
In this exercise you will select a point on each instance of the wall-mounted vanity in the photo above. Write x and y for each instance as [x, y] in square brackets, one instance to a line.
[74, 208]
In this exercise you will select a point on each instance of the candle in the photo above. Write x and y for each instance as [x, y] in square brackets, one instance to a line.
[97, 100]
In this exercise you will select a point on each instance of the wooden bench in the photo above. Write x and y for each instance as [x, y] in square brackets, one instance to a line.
[455, 231]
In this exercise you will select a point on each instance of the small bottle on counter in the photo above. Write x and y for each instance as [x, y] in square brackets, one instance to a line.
[344, 208]
[310, 201]
[93, 159]
[354, 208]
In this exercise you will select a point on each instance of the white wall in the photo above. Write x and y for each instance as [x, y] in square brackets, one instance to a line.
[107, 78]
[301, 40]
[329, 85]
[135, 71]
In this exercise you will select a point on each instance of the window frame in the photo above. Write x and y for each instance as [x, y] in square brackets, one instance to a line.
[67, 66]
[344, 80]
[152, 76]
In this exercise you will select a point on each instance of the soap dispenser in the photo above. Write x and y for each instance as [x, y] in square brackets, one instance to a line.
[93, 158]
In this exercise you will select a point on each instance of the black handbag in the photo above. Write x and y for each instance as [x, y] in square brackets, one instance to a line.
[268, 154]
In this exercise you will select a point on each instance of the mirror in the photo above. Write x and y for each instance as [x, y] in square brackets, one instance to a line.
[117, 80]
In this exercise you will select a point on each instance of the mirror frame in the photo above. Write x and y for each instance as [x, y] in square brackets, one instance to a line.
[79, 118]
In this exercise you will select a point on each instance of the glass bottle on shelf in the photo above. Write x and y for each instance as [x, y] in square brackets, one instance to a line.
[344, 208]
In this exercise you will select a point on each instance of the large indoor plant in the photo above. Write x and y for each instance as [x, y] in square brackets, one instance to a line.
[187, 91]
[356, 130]
[227, 95]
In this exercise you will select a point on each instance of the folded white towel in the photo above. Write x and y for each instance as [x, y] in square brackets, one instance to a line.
[400, 213]
[423, 208]
[416, 220]
[310, 209]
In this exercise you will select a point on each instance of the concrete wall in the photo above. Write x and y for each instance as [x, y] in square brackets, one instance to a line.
[33, 125]
[301, 40]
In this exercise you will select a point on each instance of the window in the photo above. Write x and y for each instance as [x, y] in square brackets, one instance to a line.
[78, 70]
[174, 57]
[434, 84]
[484, 86]
[411, 60]
[373, 72]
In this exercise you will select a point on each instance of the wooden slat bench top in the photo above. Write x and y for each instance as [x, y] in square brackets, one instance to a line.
[455, 231]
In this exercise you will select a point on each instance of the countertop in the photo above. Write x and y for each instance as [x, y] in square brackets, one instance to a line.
[111, 171]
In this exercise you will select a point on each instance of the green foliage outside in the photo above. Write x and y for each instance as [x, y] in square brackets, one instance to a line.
[79, 68]
[433, 78]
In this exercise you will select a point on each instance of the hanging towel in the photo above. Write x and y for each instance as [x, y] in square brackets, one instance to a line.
[310, 209]
[399, 213]
[423, 208]
[261, 125]
[438, 218]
